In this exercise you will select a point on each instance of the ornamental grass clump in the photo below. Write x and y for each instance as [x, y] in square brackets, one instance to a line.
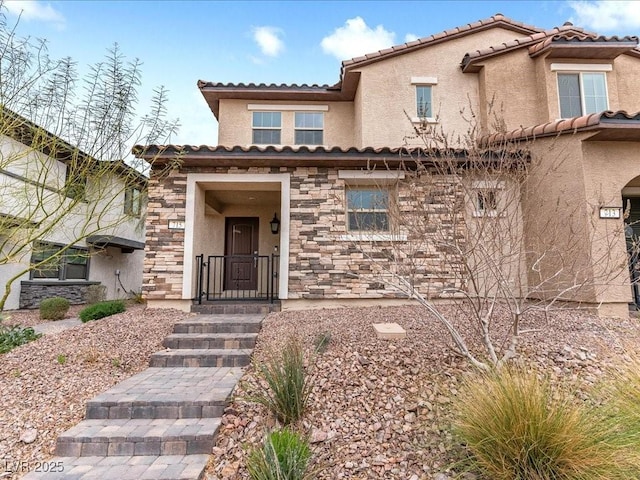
[288, 385]
[285, 455]
[622, 390]
[516, 425]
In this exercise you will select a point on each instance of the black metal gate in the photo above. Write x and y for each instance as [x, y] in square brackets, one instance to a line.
[216, 282]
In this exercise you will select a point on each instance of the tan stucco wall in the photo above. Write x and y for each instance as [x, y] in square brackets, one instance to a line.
[525, 90]
[571, 179]
[236, 122]
[387, 88]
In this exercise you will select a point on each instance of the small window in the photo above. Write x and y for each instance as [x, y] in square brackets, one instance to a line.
[486, 201]
[423, 101]
[367, 210]
[581, 93]
[267, 128]
[309, 128]
[132, 201]
[72, 264]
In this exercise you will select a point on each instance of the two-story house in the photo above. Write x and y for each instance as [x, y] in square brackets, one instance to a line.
[67, 220]
[275, 208]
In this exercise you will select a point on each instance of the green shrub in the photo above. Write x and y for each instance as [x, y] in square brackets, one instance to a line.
[54, 308]
[14, 336]
[284, 456]
[288, 386]
[517, 426]
[61, 358]
[101, 310]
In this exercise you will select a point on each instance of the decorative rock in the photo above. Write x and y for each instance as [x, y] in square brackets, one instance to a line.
[410, 417]
[318, 436]
[29, 435]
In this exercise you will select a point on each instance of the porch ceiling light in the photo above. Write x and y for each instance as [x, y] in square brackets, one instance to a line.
[275, 224]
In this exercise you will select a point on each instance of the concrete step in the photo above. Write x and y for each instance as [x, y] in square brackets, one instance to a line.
[210, 340]
[230, 307]
[133, 437]
[220, 324]
[179, 392]
[144, 467]
[202, 358]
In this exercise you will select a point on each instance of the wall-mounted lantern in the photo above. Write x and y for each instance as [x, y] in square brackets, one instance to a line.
[275, 224]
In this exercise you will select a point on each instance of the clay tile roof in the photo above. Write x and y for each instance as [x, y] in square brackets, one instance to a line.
[481, 54]
[495, 20]
[260, 86]
[582, 40]
[592, 121]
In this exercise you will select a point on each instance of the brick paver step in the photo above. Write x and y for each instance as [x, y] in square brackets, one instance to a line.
[179, 392]
[202, 358]
[126, 437]
[167, 467]
[210, 340]
[220, 324]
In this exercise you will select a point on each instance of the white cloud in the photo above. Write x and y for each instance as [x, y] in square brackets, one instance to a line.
[410, 37]
[606, 15]
[269, 40]
[356, 38]
[35, 10]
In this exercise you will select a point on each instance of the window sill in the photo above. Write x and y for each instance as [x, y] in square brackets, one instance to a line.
[428, 120]
[373, 237]
[490, 213]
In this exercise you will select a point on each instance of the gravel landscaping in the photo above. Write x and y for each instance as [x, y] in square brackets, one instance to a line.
[382, 409]
[45, 384]
[378, 409]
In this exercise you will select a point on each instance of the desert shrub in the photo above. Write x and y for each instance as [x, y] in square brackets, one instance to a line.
[136, 297]
[101, 310]
[284, 456]
[54, 308]
[518, 426]
[288, 385]
[95, 294]
[14, 336]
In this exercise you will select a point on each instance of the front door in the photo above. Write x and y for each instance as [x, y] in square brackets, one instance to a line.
[241, 251]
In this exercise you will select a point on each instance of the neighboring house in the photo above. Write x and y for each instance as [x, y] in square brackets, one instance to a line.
[58, 203]
[304, 153]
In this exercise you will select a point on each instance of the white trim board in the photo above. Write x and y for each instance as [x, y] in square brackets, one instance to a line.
[285, 196]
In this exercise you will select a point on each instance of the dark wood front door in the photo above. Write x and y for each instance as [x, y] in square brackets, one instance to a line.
[241, 250]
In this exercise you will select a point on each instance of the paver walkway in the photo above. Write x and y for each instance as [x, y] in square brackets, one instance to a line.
[162, 422]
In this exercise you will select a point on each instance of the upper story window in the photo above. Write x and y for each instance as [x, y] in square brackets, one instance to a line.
[133, 201]
[309, 128]
[267, 128]
[424, 87]
[367, 209]
[582, 88]
[582, 93]
[72, 264]
[423, 101]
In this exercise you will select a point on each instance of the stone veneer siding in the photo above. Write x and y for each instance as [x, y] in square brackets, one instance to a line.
[321, 265]
[32, 292]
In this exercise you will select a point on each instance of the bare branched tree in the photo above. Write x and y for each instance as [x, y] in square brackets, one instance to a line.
[66, 172]
[466, 223]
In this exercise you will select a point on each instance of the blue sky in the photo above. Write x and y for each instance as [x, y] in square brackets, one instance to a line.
[180, 42]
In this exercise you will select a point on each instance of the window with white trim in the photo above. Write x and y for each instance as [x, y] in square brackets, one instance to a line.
[367, 209]
[309, 128]
[486, 201]
[267, 128]
[424, 101]
[72, 264]
[582, 93]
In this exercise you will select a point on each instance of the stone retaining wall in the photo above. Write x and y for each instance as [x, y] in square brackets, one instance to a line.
[32, 292]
